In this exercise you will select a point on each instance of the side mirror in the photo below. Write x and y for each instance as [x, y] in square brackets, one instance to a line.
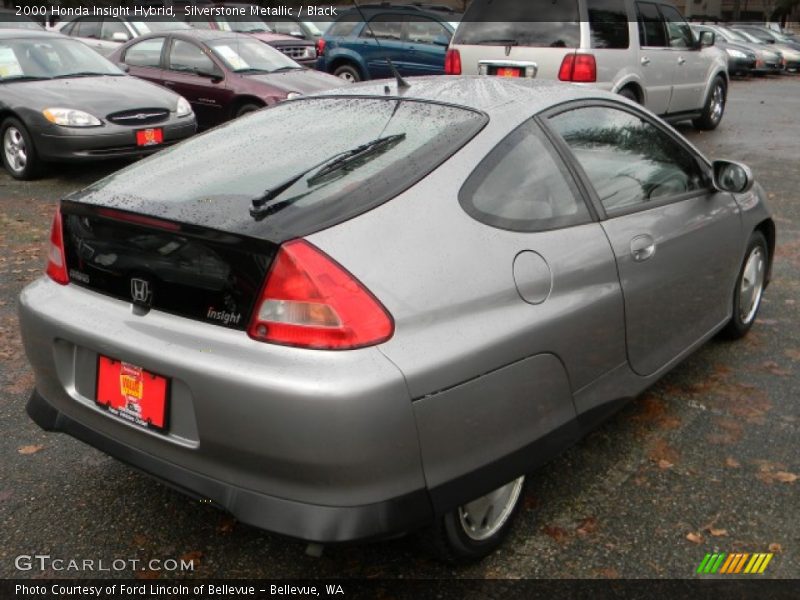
[118, 36]
[732, 176]
[707, 38]
[123, 67]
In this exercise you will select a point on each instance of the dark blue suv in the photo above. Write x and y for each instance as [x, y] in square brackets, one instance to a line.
[414, 38]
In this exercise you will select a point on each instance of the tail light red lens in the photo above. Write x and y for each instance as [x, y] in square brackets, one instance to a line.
[311, 301]
[452, 62]
[320, 47]
[580, 68]
[56, 261]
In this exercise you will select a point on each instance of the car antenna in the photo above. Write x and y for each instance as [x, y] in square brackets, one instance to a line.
[401, 83]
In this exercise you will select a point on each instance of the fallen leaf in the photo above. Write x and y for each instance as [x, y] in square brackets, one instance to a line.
[732, 463]
[665, 464]
[717, 532]
[661, 450]
[774, 368]
[29, 449]
[192, 556]
[226, 525]
[793, 354]
[587, 526]
[785, 477]
[775, 548]
[694, 538]
[559, 534]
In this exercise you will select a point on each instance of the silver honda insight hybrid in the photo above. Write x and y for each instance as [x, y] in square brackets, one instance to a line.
[370, 311]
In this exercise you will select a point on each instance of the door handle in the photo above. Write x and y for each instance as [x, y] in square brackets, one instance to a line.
[681, 60]
[645, 61]
[642, 248]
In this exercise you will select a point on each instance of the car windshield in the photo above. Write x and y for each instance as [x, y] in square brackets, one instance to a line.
[749, 37]
[730, 34]
[242, 25]
[398, 142]
[515, 23]
[145, 27]
[47, 58]
[251, 56]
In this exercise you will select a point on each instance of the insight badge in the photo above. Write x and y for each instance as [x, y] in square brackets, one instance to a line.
[741, 563]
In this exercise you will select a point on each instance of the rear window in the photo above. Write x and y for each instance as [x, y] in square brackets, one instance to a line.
[211, 180]
[608, 23]
[554, 24]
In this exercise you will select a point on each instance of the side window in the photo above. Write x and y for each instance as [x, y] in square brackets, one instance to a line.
[384, 27]
[651, 26]
[522, 186]
[87, 28]
[185, 56]
[608, 23]
[145, 54]
[680, 34]
[425, 31]
[629, 161]
[112, 26]
[343, 28]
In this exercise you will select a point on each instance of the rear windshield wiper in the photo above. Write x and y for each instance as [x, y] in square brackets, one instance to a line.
[498, 42]
[338, 162]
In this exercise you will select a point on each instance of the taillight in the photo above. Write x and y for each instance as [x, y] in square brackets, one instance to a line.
[452, 62]
[56, 262]
[581, 68]
[320, 47]
[311, 301]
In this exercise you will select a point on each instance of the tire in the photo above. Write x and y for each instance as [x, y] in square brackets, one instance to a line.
[456, 539]
[348, 73]
[749, 288]
[714, 108]
[19, 154]
[247, 108]
[628, 93]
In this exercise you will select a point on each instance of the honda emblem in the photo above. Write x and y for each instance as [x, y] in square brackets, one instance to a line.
[141, 292]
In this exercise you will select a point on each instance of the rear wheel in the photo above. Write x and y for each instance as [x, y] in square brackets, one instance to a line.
[246, 108]
[749, 288]
[629, 94]
[19, 154]
[476, 529]
[348, 73]
[714, 107]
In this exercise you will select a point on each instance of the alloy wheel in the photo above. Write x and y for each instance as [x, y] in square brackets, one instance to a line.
[752, 285]
[485, 516]
[15, 149]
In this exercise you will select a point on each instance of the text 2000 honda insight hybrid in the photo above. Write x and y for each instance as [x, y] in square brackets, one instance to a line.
[352, 315]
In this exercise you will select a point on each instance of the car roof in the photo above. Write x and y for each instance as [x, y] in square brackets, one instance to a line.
[487, 94]
[203, 35]
[9, 34]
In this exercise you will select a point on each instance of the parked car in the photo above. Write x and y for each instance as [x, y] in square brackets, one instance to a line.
[9, 19]
[788, 47]
[106, 34]
[222, 74]
[767, 60]
[303, 30]
[414, 39]
[301, 51]
[644, 51]
[741, 59]
[431, 292]
[61, 101]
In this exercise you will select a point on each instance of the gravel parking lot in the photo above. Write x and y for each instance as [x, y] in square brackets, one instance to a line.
[705, 461]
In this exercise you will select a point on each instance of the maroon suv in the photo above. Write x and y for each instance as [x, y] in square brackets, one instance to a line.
[223, 75]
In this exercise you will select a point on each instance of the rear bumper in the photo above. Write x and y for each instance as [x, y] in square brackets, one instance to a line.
[98, 144]
[320, 446]
[323, 524]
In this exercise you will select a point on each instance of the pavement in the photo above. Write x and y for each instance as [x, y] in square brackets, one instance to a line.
[705, 461]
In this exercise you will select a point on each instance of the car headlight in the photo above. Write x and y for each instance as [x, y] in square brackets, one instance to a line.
[293, 95]
[183, 109]
[70, 117]
[735, 53]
